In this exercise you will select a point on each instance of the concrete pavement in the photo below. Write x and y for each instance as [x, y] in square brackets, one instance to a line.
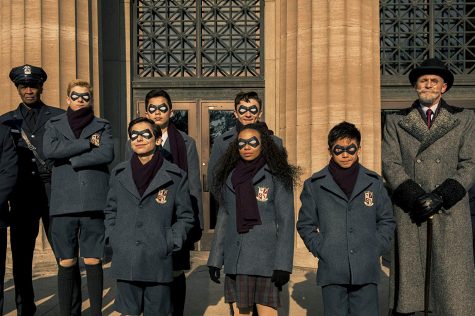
[300, 298]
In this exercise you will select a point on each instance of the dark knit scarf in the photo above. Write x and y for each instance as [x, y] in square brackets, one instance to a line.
[344, 177]
[177, 147]
[247, 211]
[143, 174]
[79, 119]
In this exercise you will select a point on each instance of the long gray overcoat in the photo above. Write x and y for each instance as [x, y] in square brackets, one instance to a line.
[347, 235]
[412, 153]
[80, 179]
[219, 148]
[265, 247]
[140, 229]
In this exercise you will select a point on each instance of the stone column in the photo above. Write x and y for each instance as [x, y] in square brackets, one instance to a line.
[326, 68]
[59, 36]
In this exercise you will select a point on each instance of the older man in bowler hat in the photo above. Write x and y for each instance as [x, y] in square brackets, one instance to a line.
[29, 200]
[429, 165]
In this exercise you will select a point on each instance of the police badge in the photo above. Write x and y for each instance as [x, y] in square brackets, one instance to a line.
[162, 196]
[368, 198]
[27, 70]
[262, 194]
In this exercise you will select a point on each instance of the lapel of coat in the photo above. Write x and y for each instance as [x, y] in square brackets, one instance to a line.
[65, 128]
[414, 125]
[18, 120]
[43, 117]
[166, 145]
[330, 185]
[91, 128]
[126, 179]
[260, 175]
[363, 181]
[160, 179]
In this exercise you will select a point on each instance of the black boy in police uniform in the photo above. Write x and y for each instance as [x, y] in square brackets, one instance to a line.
[29, 201]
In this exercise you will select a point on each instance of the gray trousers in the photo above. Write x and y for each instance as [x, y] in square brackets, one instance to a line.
[350, 300]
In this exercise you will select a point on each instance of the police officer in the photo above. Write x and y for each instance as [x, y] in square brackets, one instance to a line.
[29, 200]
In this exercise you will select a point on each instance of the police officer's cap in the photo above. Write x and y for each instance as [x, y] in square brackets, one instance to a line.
[28, 75]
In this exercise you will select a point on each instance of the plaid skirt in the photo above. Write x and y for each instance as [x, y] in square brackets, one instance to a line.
[247, 290]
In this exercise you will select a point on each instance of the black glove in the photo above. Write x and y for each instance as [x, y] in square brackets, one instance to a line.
[214, 274]
[280, 278]
[426, 205]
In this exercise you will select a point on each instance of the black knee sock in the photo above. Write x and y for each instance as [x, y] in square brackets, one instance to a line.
[66, 280]
[76, 304]
[178, 293]
[95, 286]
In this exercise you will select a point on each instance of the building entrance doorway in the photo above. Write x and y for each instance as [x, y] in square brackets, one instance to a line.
[204, 120]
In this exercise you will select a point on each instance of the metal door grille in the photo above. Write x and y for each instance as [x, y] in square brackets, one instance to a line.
[186, 39]
[413, 30]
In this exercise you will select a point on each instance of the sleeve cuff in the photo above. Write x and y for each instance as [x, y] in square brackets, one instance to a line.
[451, 192]
[406, 194]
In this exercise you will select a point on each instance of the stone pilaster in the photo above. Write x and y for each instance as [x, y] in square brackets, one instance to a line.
[325, 69]
[60, 36]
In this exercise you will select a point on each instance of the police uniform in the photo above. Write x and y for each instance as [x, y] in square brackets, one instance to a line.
[8, 172]
[29, 200]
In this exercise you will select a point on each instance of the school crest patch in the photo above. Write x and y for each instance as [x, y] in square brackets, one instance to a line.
[262, 194]
[95, 139]
[162, 196]
[368, 198]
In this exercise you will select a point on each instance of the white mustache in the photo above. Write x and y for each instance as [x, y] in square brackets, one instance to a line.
[423, 90]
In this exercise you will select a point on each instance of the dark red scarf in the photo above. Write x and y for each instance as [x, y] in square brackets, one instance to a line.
[344, 177]
[144, 174]
[177, 147]
[79, 119]
[247, 211]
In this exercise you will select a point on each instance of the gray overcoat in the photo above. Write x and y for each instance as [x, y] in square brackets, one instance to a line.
[417, 159]
[80, 179]
[347, 235]
[140, 229]
[194, 178]
[265, 247]
[219, 148]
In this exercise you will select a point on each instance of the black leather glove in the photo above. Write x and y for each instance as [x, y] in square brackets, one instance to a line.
[280, 278]
[426, 205]
[214, 274]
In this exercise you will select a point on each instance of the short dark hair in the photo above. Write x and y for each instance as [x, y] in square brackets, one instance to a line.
[155, 93]
[246, 96]
[157, 132]
[342, 131]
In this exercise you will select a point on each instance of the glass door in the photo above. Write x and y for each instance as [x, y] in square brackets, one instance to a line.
[216, 118]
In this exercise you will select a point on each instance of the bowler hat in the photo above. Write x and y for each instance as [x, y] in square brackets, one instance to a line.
[28, 74]
[432, 66]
